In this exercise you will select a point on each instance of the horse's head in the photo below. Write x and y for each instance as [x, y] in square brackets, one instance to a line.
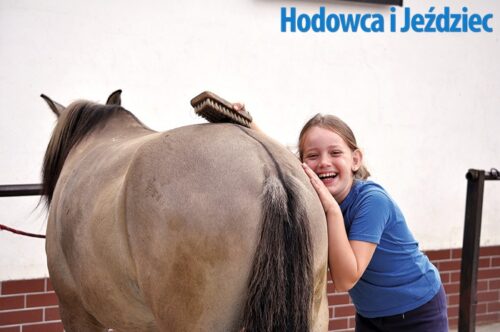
[113, 99]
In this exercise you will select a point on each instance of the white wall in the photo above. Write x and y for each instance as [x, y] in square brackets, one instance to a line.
[425, 107]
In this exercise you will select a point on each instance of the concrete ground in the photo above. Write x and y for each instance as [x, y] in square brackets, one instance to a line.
[485, 328]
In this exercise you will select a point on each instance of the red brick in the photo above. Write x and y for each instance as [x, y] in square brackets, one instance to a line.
[453, 299]
[330, 288]
[10, 329]
[435, 255]
[481, 308]
[489, 251]
[11, 302]
[352, 322]
[52, 314]
[453, 311]
[494, 284]
[337, 324]
[450, 265]
[23, 286]
[339, 298]
[482, 285]
[487, 318]
[493, 307]
[344, 311]
[48, 285]
[495, 261]
[453, 322]
[21, 316]
[45, 327]
[456, 253]
[445, 277]
[489, 273]
[484, 262]
[453, 288]
[42, 300]
[487, 296]
[455, 277]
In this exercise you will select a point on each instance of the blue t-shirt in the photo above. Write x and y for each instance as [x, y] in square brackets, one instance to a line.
[399, 277]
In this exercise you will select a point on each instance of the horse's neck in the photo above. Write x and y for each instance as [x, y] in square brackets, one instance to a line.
[123, 127]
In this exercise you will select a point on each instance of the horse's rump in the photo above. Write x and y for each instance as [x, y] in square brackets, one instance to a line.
[159, 231]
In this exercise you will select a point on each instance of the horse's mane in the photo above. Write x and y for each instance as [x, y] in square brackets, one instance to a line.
[78, 121]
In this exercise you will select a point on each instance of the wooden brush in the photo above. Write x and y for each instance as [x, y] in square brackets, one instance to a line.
[215, 109]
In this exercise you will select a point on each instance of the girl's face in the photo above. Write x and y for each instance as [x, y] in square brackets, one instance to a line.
[329, 156]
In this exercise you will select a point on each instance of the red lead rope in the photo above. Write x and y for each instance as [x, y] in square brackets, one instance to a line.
[15, 231]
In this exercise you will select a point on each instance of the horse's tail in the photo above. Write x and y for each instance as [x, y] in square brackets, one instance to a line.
[281, 279]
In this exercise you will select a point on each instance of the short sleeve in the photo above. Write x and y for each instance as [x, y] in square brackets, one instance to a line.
[370, 217]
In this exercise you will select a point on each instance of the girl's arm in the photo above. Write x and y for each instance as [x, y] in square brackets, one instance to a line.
[347, 259]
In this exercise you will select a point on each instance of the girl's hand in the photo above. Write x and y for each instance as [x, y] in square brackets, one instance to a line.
[329, 203]
[240, 107]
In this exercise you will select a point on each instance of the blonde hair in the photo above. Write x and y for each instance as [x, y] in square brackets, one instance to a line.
[335, 124]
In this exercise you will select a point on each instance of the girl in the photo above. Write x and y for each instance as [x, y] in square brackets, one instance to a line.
[372, 253]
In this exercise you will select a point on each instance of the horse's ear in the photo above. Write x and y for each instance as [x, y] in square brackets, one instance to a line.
[115, 98]
[55, 107]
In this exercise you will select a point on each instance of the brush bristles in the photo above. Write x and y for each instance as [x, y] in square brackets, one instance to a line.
[215, 112]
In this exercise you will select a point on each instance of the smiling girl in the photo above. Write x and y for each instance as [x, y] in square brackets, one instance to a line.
[372, 253]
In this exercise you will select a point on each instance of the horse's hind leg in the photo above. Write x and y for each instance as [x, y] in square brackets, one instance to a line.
[76, 318]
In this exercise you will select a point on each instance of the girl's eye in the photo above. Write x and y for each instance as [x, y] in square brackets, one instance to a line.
[311, 156]
[336, 153]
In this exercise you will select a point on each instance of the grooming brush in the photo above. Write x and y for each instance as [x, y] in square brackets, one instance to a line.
[215, 109]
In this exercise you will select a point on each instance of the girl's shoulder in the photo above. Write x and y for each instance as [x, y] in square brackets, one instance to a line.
[370, 192]
[368, 187]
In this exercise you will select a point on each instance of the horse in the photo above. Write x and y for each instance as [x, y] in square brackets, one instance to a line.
[206, 227]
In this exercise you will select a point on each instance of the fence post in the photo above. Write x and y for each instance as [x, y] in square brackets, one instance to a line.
[470, 251]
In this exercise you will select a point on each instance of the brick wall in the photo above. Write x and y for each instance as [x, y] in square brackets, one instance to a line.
[448, 263]
[31, 305]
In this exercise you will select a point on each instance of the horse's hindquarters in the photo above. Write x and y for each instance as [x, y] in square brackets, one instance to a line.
[193, 215]
[165, 238]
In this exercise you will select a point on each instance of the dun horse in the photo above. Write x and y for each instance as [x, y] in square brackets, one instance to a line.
[210, 227]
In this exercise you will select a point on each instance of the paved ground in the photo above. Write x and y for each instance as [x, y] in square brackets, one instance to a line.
[486, 328]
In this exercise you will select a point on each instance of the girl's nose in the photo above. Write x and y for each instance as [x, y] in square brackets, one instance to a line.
[324, 161]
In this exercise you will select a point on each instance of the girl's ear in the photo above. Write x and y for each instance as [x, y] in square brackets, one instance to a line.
[357, 159]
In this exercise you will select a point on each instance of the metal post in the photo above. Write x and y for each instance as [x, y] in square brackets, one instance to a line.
[470, 251]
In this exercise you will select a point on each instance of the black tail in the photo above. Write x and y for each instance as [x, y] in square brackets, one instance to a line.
[281, 281]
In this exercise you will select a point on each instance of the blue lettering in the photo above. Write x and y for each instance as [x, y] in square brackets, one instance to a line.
[464, 20]
[393, 19]
[318, 21]
[352, 21]
[430, 17]
[304, 22]
[407, 21]
[378, 23]
[336, 24]
[416, 21]
[287, 19]
[443, 21]
[475, 19]
[454, 23]
[486, 27]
